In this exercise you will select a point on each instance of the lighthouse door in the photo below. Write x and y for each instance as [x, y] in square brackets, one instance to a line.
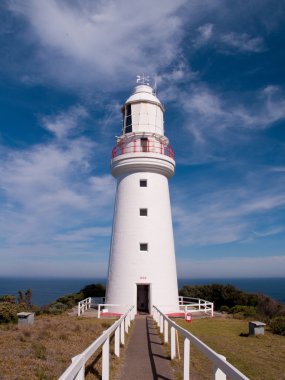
[143, 298]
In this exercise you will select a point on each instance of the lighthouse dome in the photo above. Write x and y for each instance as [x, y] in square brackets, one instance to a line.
[143, 92]
[143, 112]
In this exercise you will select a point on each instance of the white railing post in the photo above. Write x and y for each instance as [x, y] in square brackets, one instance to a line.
[200, 304]
[165, 331]
[105, 360]
[78, 309]
[123, 332]
[172, 343]
[161, 324]
[186, 369]
[117, 341]
[218, 374]
[212, 309]
[126, 325]
[81, 374]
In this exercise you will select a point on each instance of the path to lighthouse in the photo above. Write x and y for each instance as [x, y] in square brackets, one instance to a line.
[145, 357]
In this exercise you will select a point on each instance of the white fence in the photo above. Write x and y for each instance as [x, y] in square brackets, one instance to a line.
[221, 368]
[83, 306]
[76, 370]
[195, 305]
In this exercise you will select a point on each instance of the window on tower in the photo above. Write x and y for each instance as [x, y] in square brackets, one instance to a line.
[143, 211]
[144, 144]
[143, 183]
[143, 247]
[128, 118]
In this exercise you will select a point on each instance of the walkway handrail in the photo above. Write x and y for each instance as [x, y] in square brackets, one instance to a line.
[76, 370]
[197, 305]
[83, 306]
[221, 367]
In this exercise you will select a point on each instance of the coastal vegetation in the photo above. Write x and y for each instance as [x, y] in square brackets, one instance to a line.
[44, 350]
[231, 300]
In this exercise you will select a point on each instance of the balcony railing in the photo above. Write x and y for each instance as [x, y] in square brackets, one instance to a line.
[147, 146]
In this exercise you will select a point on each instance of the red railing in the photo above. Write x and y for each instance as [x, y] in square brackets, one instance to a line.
[138, 147]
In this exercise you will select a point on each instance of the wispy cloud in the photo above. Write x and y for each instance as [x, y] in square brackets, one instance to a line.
[65, 122]
[234, 212]
[243, 42]
[51, 199]
[97, 39]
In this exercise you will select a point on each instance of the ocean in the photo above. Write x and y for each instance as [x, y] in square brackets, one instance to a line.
[47, 290]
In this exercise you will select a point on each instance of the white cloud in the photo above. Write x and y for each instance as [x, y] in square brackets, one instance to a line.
[205, 33]
[53, 205]
[230, 212]
[243, 42]
[66, 122]
[101, 40]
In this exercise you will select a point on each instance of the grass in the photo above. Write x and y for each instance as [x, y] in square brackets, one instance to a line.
[258, 357]
[44, 350]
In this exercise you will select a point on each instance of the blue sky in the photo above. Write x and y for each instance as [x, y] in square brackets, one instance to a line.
[68, 66]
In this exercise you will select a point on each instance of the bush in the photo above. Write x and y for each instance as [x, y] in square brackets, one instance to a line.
[8, 298]
[71, 299]
[245, 311]
[224, 309]
[8, 312]
[277, 325]
[94, 290]
[221, 295]
[57, 308]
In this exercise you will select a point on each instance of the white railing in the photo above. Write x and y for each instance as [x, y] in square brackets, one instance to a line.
[196, 305]
[76, 370]
[221, 368]
[83, 306]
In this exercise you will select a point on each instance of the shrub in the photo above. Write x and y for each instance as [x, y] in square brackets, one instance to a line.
[93, 290]
[57, 308]
[8, 298]
[225, 309]
[277, 325]
[245, 311]
[8, 312]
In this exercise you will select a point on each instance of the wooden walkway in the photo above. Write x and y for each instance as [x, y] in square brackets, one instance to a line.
[145, 357]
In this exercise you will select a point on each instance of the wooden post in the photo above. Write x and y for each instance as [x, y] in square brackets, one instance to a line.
[117, 341]
[177, 343]
[165, 331]
[218, 373]
[105, 360]
[186, 359]
[123, 332]
[161, 324]
[172, 342]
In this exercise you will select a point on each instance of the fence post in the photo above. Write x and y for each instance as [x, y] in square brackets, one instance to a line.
[161, 324]
[123, 332]
[212, 309]
[117, 341]
[99, 311]
[218, 374]
[126, 325]
[78, 310]
[165, 331]
[172, 340]
[186, 359]
[105, 360]
[81, 373]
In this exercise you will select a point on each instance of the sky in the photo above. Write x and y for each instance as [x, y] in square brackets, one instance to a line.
[66, 67]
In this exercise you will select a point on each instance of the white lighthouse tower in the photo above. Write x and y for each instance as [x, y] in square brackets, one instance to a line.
[142, 268]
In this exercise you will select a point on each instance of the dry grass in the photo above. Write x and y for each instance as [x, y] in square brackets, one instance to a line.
[259, 358]
[43, 351]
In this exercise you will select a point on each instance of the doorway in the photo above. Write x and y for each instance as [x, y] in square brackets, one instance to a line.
[143, 298]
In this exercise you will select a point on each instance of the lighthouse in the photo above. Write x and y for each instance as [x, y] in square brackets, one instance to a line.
[142, 267]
